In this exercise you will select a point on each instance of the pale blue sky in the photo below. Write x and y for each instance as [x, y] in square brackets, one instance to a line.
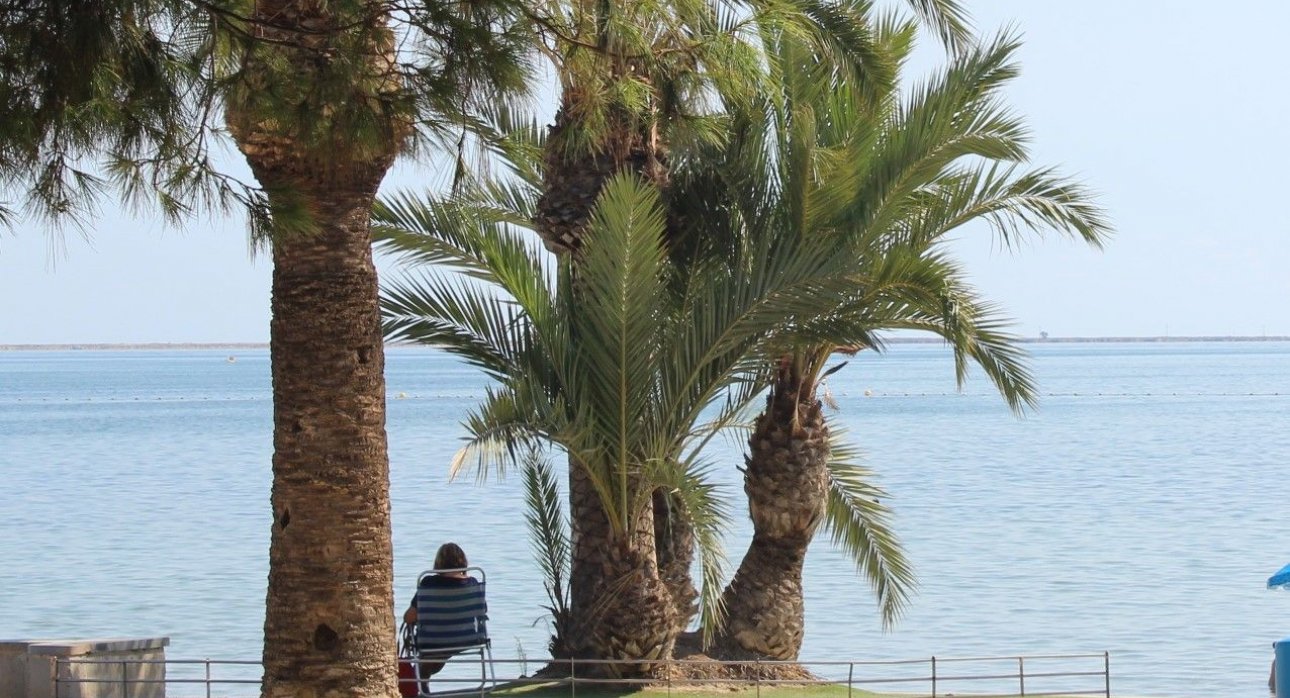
[1176, 112]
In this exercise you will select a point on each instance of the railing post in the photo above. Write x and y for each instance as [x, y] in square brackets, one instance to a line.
[757, 677]
[1021, 674]
[208, 677]
[851, 672]
[1106, 671]
[125, 686]
[573, 677]
[933, 677]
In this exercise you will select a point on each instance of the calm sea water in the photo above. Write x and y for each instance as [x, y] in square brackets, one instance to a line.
[1139, 510]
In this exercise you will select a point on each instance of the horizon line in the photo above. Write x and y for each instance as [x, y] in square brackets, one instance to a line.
[140, 346]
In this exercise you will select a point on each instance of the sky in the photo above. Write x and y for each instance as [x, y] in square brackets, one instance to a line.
[1176, 113]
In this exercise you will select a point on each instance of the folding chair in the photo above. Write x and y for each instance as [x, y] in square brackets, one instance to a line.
[452, 620]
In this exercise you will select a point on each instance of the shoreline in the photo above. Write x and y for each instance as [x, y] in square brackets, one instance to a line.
[198, 346]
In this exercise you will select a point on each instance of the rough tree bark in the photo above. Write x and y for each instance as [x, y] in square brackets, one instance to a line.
[329, 618]
[621, 608]
[786, 481]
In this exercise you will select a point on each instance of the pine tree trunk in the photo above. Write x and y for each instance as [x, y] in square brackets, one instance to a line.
[329, 618]
[621, 609]
[786, 481]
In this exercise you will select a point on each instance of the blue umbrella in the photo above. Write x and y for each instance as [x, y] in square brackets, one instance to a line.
[1281, 579]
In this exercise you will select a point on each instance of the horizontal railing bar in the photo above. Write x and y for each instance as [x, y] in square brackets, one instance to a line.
[1065, 673]
[187, 677]
[902, 680]
[1099, 690]
[765, 662]
[974, 677]
[1017, 656]
[79, 660]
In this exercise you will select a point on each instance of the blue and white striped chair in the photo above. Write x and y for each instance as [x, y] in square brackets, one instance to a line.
[452, 616]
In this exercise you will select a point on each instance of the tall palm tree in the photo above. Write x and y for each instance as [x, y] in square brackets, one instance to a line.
[127, 95]
[321, 107]
[885, 179]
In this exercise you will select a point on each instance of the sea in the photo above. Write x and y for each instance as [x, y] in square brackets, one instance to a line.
[1138, 511]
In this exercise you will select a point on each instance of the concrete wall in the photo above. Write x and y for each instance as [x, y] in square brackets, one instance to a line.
[94, 668]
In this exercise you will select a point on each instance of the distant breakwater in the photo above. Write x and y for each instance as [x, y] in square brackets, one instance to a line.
[198, 346]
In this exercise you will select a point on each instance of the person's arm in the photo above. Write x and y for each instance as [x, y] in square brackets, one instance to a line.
[410, 615]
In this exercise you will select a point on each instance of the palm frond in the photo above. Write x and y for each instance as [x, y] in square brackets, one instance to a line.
[860, 525]
[548, 535]
[501, 429]
[489, 332]
[475, 232]
[621, 294]
[949, 19]
[955, 114]
[1013, 202]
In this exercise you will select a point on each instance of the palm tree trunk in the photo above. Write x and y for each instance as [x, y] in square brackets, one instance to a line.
[573, 178]
[786, 481]
[621, 608]
[674, 543]
[329, 617]
[329, 626]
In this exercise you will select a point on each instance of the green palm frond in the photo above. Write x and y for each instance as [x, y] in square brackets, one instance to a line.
[510, 136]
[860, 525]
[548, 535]
[1012, 202]
[474, 233]
[949, 19]
[977, 330]
[844, 37]
[905, 290]
[489, 332]
[621, 295]
[953, 115]
[501, 430]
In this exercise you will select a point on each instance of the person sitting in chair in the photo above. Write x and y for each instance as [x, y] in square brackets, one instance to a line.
[448, 610]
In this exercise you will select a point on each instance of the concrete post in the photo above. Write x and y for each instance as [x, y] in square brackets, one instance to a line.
[108, 668]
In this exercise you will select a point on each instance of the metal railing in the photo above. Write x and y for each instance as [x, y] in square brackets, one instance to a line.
[1027, 676]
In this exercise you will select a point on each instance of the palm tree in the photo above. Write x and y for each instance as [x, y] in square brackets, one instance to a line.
[320, 102]
[616, 370]
[628, 100]
[636, 84]
[887, 180]
[321, 108]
